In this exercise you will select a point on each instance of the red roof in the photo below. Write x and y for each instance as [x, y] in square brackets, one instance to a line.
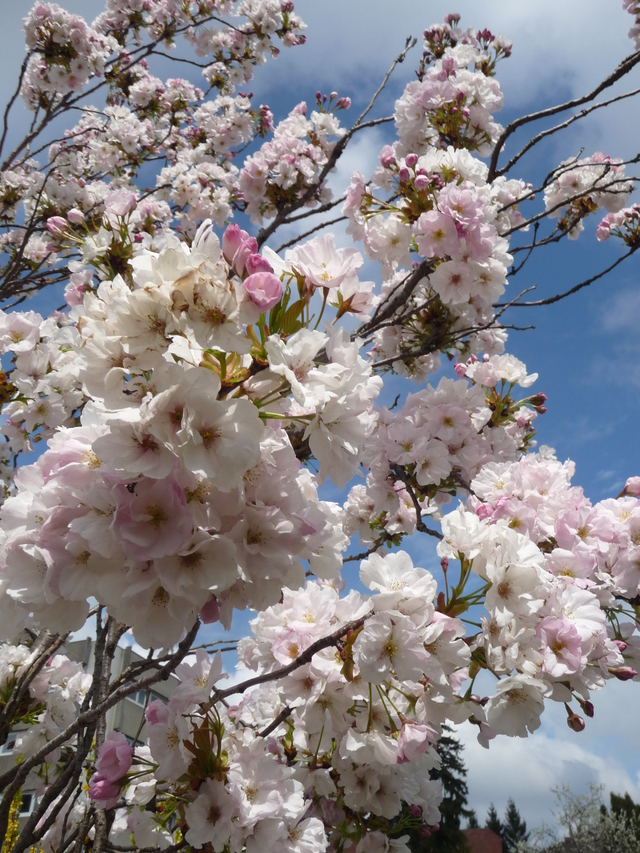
[483, 840]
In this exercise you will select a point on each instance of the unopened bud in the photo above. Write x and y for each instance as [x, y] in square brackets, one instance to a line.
[588, 708]
[576, 723]
[76, 216]
[538, 399]
[444, 562]
[632, 486]
[56, 225]
[411, 160]
[620, 644]
[387, 157]
[623, 673]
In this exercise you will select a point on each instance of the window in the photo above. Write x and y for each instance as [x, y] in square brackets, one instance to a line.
[28, 803]
[8, 747]
[140, 698]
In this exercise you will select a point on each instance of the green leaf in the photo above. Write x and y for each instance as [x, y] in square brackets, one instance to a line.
[289, 322]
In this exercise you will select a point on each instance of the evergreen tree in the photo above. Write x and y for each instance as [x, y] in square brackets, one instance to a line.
[514, 829]
[624, 809]
[452, 771]
[493, 821]
[472, 820]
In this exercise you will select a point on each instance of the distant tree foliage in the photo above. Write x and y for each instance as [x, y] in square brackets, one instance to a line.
[587, 826]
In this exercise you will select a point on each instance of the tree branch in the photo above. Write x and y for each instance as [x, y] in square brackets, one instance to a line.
[625, 66]
[301, 660]
[552, 299]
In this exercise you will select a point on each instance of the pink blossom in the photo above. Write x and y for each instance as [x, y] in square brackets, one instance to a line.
[562, 647]
[153, 520]
[414, 740]
[156, 713]
[264, 289]
[119, 203]
[114, 757]
[322, 264]
[103, 792]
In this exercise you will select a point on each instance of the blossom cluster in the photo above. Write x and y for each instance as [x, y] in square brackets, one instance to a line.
[633, 8]
[197, 391]
[51, 702]
[581, 187]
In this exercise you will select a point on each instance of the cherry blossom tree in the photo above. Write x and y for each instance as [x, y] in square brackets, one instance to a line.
[198, 388]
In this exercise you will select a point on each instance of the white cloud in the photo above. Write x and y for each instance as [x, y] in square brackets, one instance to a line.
[623, 312]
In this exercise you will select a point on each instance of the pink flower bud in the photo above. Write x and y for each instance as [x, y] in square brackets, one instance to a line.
[232, 239]
[256, 263]
[387, 157]
[576, 723]
[104, 793]
[249, 247]
[75, 216]
[264, 289]
[343, 103]
[56, 225]
[411, 160]
[460, 370]
[623, 673]
[620, 644]
[114, 757]
[421, 183]
[404, 175]
[632, 486]
[484, 511]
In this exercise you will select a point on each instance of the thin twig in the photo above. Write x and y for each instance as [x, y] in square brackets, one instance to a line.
[297, 239]
[282, 716]
[625, 66]
[575, 288]
[301, 660]
[549, 131]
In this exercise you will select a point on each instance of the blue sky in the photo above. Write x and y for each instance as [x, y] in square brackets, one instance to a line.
[585, 348]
